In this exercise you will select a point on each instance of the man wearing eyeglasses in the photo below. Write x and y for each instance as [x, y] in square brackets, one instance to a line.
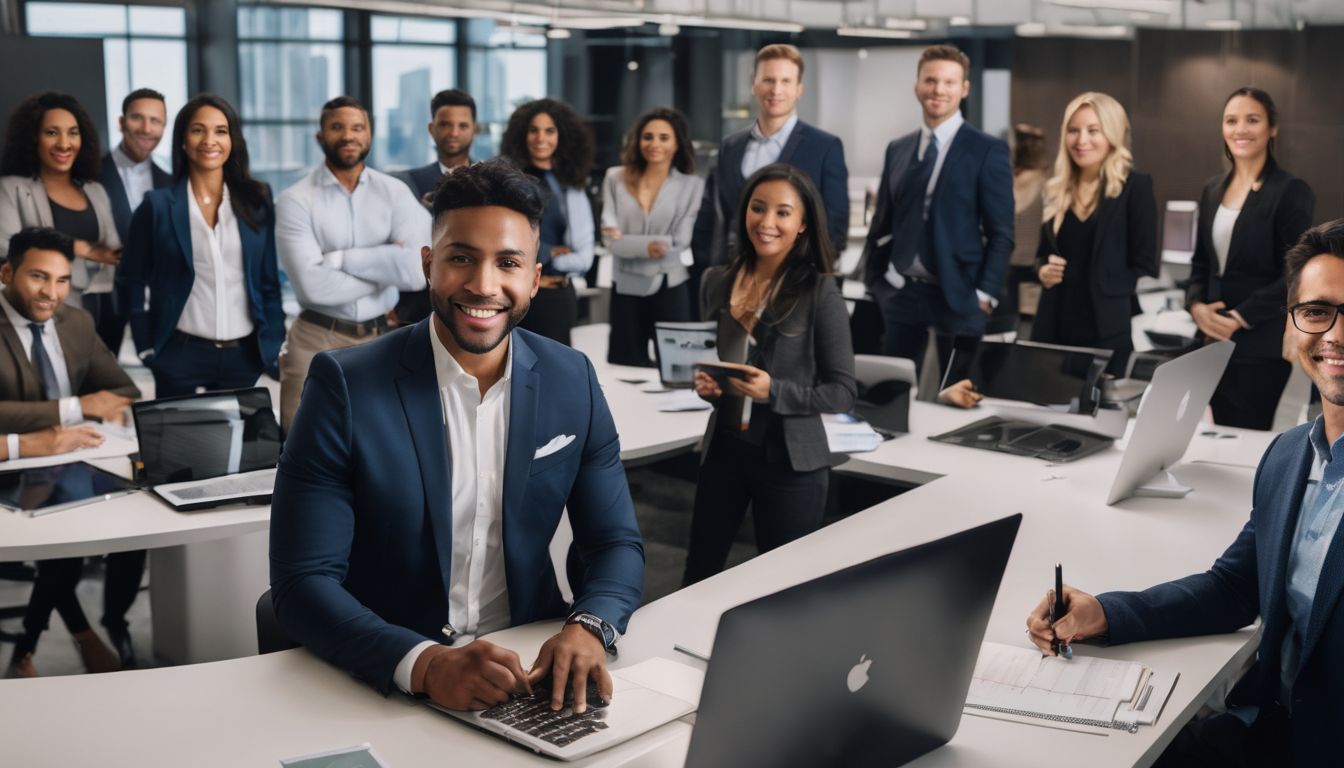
[1286, 566]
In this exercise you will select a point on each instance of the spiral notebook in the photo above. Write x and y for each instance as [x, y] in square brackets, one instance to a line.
[1086, 690]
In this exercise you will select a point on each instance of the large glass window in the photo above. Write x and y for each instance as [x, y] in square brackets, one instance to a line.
[289, 63]
[413, 58]
[144, 46]
[507, 68]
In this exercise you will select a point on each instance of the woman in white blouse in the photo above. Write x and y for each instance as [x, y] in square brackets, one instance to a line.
[649, 205]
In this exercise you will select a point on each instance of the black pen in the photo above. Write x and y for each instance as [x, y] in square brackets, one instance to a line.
[1057, 612]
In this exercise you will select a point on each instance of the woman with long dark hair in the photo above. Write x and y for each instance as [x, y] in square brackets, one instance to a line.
[548, 139]
[781, 315]
[1248, 219]
[649, 205]
[49, 178]
[204, 249]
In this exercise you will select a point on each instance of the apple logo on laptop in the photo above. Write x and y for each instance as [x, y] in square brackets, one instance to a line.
[858, 675]
[1185, 403]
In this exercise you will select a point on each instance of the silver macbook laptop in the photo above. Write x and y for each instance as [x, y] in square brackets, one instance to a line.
[208, 450]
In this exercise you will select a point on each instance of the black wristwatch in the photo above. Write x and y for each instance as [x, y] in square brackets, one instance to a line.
[603, 631]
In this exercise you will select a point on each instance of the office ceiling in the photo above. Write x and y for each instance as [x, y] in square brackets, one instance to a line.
[889, 17]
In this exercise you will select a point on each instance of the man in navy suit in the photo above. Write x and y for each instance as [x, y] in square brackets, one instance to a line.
[129, 171]
[941, 235]
[426, 472]
[1286, 566]
[776, 136]
[452, 126]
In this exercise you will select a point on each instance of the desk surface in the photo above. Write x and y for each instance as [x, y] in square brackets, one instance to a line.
[256, 710]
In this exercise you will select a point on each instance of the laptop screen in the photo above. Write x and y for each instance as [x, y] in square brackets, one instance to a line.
[195, 437]
[1043, 374]
[679, 346]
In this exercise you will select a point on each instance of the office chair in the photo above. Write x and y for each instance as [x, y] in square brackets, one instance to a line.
[871, 369]
[270, 636]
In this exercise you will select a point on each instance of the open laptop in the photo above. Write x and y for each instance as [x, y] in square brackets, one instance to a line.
[865, 666]
[679, 346]
[885, 405]
[208, 450]
[1168, 416]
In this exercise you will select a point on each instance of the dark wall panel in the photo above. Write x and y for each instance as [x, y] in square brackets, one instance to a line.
[68, 65]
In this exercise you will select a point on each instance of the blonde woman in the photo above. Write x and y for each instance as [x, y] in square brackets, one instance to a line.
[1099, 235]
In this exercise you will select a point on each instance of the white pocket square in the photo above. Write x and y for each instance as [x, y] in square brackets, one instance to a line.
[557, 443]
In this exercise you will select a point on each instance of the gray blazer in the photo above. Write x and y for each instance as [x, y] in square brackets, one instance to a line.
[24, 203]
[809, 356]
[671, 220]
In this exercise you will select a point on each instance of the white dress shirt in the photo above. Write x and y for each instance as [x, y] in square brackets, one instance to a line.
[137, 178]
[217, 307]
[340, 248]
[477, 429]
[1223, 223]
[71, 412]
[763, 150]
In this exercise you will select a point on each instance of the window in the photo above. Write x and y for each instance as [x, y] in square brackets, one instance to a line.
[413, 58]
[507, 67]
[143, 47]
[289, 63]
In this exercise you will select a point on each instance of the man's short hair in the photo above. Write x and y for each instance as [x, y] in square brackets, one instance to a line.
[492, 182]
[1327, 238]
[945, 53]
[452, 98]
[342, 102]
[42, 238]
[779, 51]
[138, 94]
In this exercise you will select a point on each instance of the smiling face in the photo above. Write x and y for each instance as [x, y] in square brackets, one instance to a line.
[777, 85]
[774, 219]
[482, 274]
[1321, 355]
[657, 142]
[207, 143]
[142, 128]
[1246, 129]
[542, 139]
[345, 137]
[453, 130]
[940, 86]
[38, 285]
[58, 141]
[1088, 146]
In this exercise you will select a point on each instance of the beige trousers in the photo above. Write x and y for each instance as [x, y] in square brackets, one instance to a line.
[302, 344]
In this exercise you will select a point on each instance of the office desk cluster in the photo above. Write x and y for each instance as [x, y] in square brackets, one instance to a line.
[255, 710]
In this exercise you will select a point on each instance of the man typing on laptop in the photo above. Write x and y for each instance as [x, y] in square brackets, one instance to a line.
[426, 471]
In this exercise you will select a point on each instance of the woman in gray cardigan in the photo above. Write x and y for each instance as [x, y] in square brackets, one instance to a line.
[48, 178]
[781, 314]
[649, 204]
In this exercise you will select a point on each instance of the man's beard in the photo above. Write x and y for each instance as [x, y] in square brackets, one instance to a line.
[447, 314]
[465, 151]
[333, 154]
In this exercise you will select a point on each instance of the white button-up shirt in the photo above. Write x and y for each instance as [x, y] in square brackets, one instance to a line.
[71, 412]
[763, 150]
[217, 307]
[137, 178]
[350, 254]
[477, 429]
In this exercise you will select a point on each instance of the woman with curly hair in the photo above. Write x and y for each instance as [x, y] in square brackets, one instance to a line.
[1099, 235]
[548, 139]
[649, 205]
[48, 178]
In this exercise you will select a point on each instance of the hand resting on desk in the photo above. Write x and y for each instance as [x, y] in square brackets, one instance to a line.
[1084, 619]
[962, 395]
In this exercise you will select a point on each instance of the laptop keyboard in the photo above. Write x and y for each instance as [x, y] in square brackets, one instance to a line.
[229, 485]
[533, 715]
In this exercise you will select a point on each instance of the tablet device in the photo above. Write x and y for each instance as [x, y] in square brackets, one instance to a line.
[40, 490]
[722, 372]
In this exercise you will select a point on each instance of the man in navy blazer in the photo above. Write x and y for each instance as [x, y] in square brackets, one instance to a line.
[426, 472]
[129, 171]
[942, 232]
[1286, 566]
[776, 136]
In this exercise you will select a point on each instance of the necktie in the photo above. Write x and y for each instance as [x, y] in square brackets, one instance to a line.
[907, 223]
[46, 373]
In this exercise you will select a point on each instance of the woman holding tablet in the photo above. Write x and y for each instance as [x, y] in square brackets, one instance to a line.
[781, 314]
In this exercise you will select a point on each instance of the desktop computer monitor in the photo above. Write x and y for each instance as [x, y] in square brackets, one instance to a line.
[1178, 230]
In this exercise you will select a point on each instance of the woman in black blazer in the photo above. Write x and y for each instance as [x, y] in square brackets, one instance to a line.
[1248, 218]
[1099, 236]
[780, 314]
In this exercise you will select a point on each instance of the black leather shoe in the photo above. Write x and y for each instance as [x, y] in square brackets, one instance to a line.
[121, 643]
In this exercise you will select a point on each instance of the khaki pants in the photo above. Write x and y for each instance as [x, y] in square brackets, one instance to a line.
[302, 344]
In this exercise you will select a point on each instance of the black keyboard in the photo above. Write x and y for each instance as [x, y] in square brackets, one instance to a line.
[533, 715]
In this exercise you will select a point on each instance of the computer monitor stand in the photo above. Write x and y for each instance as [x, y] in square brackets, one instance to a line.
[1163, 485]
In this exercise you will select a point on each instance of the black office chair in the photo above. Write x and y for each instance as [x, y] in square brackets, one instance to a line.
[270, 637]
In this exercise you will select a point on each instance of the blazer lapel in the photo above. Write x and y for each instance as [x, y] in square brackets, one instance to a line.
[23, 366]
[799, 129]
[730, 172]
[1328, 589]
[418, 387]
[116, 190]
[523, 397]
[1248, 213]
[180, 215]
[253, 243]
[1280, 538]
[950, 161]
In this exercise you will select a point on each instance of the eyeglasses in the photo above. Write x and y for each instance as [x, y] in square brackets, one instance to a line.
[1314, 317]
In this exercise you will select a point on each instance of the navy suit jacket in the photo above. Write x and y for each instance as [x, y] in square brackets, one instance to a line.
[157, 258]
[1251, 579]
[116, 192]
[422, 180]
[362, 518]
[971, 217]
[809, 149]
